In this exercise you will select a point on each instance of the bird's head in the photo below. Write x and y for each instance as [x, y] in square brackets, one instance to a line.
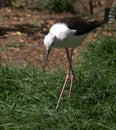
[48, 42]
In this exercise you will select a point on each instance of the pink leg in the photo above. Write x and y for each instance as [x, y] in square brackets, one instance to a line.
[62, 91]
[71, 84]
[69, 75]
[70, 70]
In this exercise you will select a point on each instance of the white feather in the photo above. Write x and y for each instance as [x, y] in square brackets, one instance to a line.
[61, 31]
[60, 36]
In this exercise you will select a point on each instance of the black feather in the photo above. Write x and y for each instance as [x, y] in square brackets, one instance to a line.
[82, 26]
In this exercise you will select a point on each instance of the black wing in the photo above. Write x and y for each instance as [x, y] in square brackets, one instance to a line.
[81, 25]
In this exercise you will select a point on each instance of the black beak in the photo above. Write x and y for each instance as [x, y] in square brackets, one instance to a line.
[46, 59]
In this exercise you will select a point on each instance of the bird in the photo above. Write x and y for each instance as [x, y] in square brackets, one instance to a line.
[68, 33]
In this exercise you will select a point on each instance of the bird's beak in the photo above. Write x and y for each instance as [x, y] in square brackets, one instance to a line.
[46, 59]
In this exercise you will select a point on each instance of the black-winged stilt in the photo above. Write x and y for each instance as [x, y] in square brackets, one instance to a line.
[68, 33]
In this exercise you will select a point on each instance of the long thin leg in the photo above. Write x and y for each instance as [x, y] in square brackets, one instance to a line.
[70, 70]
[69, 75]
[62, 91]
[72, 73]
[71, 84]
[70, 60]
[66, 79]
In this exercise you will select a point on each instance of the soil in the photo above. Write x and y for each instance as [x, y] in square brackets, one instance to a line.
[21, 38]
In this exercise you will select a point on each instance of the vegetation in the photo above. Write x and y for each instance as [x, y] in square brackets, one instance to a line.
[28, 95]
[55, 5]
[58, 5]
[77, 6]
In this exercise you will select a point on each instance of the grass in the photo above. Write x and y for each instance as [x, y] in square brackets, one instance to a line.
[28, 96]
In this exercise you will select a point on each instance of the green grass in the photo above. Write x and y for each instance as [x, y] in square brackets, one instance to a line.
[28, 96]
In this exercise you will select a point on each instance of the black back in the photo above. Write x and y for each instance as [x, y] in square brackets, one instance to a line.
[82, 26]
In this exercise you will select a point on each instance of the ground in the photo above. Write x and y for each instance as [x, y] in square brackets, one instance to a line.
[21, 38]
